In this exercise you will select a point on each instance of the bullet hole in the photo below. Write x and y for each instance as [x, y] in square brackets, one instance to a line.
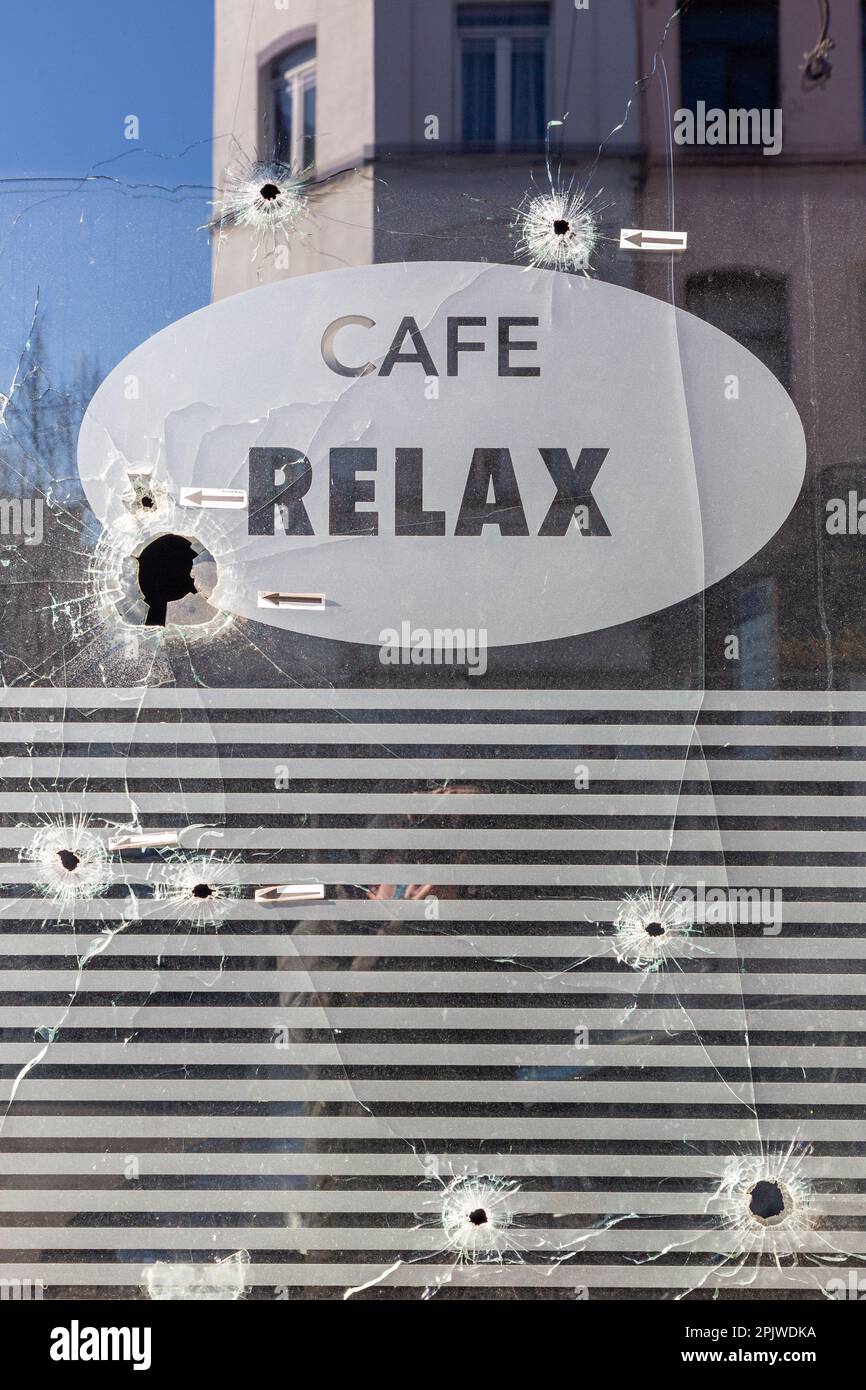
[146, 495]
[165, 575]
[71, 861]
[557, 230]
[476, 1215]
[148, 575]
[200, 890]
[266, 196]
[767, 1200]
[652, 928]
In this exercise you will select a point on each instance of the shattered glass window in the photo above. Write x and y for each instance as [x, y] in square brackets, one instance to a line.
[432, 653]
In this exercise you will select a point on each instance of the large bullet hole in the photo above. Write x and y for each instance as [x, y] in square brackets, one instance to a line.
[69, 860]
[147, 502]
[202, 890]
[478, 1217]
[165, 575]
[561, 227]
[269, 191]
[654, 929]
[767, 1200]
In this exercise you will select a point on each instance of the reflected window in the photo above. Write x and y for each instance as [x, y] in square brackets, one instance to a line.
[503, 73]
[729, 54]
[750, 306]
[293, 106]
[755, 624]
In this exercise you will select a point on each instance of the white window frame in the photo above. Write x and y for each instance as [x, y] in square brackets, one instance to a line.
[502, 40]
[297, 82]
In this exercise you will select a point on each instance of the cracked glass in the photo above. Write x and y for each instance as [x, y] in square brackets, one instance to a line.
[432, 654]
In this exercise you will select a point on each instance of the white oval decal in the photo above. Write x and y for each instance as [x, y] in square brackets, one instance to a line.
[449, 445]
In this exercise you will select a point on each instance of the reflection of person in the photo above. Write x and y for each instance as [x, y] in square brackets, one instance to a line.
[409, 1081]
[401, 1128]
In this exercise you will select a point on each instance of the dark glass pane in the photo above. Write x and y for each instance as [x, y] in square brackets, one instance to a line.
[748, 306]
[730, 55]
[527, 90]
[502, 16]
[479, 91]
[295, 58]
[283, 124]
[285, 81]
[309, 149]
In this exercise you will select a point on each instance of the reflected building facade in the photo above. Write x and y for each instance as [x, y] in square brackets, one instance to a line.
[427, 120]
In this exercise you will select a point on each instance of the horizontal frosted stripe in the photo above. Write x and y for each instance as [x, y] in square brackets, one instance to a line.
[581, 1090]
[424, 982]
[188, 1016]
[609, 839]
[453, 732]
[446, 945]
[625, 876]
[567, 1275]
[423, 1201]
[552, 1242]
[88, 914]
[657, 1129]
[118, 805]
[530, 769]
[132, 698]
[526, 1167]
[385, 1054]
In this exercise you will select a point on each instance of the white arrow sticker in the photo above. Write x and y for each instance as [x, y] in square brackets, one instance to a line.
[291, 893]
[231, 497]
[144, 839]
[637, 239]
[271, 598]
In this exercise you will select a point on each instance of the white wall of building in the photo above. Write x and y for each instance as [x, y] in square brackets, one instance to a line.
[248, 37]
[385, 67]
